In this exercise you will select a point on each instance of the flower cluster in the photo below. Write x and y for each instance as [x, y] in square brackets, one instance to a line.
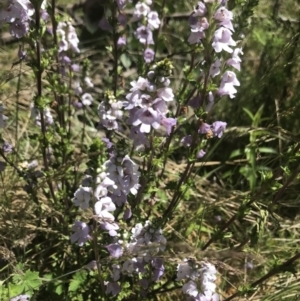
[145, 242]
[200, 285]
[36, 115]
[222, 41]
[110, 112]
[118, 177]
[18, 14]
[68, 37]
[149, 21]
[147, 104]
[67, 45]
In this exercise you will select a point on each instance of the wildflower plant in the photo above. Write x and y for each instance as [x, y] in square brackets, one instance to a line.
[113, 218]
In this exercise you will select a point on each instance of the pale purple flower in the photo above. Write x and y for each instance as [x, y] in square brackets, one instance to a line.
[227, 89]
[7, 148]
[190, 288]
[77, 105]
[115, 250]
[141, 10]
[200, 9]
[204, 128]
[20, 10]
[144, 35]
[199, 25]
[140, 84]
[168, 123]
[218, 128]
[81, 235]
[159, 268]
[149, 55]
[19, 28]
[111, 227]
[201, 154]
[72, 38]
[121, 3]
[222, 40]
[21, 298]
[82, 197]
[235, 60]
[187, 141]
[228, 82]
[224, 17]
[184, 271]
[104, 206]
[153, 20]
[215, 68]
[75, 68]
[166, 94]
[121, 42]
[146, 118]
[196, 37]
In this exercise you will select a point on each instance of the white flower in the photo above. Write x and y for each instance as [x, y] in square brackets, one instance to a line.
[104, 204]
[81, 234]
[166, 94]
[141, 9]
[87, 99]
[82, 197]
[140, 84]
[183, 271]
[88, 82]
[153, 20]
[215, 68]
[222, 40]
[190, 288]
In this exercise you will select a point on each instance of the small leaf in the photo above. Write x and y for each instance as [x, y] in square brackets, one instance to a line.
[236, 153]
[125, 61]
[267, 150]
[248, 113]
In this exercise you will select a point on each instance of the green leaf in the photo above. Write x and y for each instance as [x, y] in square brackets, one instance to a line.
[125, 60]
[15, 290]
[32, 280]
[78, 279]
[267, 150]
[248, 113]
[59, 289]
[236, 153]
[257, 117]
